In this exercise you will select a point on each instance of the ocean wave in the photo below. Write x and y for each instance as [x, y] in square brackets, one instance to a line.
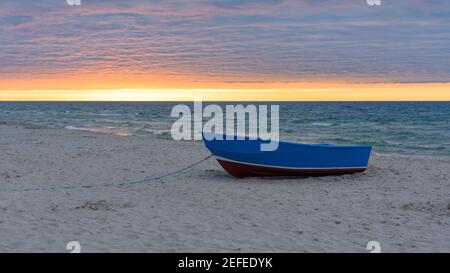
[107, 114]
[325, 124]
[73, 128]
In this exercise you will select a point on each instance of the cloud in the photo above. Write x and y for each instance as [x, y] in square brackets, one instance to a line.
[229, 41]
[14, 20]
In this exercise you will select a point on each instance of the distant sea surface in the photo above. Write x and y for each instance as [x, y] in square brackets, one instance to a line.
[419, 128]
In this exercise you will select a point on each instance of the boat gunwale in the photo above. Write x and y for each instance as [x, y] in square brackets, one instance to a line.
[247, 138]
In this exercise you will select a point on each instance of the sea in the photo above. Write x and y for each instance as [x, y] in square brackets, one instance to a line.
[408, 128]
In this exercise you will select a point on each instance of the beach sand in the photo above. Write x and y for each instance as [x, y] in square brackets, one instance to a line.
[401, 201]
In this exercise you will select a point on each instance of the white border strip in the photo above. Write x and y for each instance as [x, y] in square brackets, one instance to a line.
[288, 168]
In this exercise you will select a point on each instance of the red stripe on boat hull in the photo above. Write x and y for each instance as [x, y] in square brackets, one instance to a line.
[244, 170]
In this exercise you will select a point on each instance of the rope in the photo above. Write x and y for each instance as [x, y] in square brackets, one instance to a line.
[110, 184]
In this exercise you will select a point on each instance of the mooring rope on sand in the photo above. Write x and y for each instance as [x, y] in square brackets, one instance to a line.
[109, 184]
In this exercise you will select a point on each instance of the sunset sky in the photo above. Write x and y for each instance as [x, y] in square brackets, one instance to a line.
[225, 50]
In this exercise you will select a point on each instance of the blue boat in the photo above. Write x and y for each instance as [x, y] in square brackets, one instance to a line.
[243, 158]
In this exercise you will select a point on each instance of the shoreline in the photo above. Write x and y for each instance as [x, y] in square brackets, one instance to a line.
[155, 136]
[401, 201]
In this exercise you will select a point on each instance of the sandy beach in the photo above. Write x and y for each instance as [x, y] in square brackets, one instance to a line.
[401, 201]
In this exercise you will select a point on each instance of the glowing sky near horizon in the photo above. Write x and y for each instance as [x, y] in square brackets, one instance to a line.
[106, 50]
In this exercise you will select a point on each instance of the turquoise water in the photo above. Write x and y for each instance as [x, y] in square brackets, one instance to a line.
[421, 128]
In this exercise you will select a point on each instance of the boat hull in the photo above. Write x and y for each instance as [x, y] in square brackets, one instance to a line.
[243, 157]
[241, 170]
